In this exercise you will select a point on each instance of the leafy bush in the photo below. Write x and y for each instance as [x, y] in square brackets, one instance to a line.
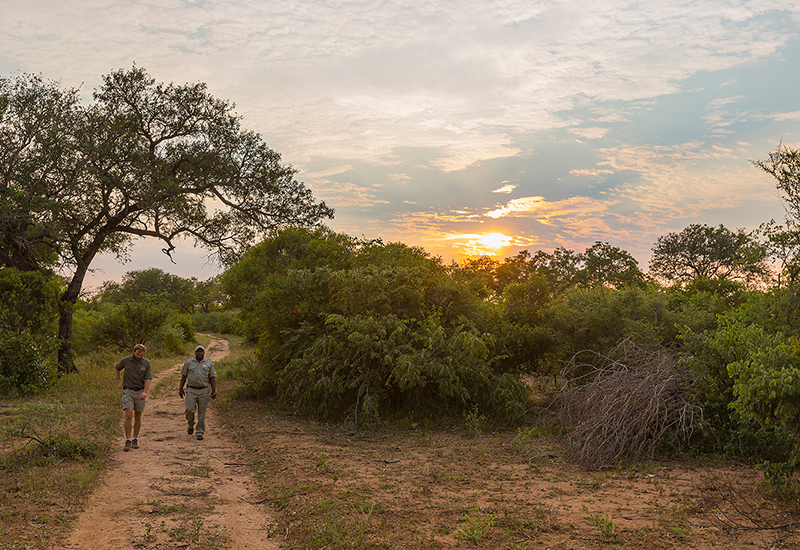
[220, 322]
[28, 301]
[369, 365]
[373, 330]
[128, 324]
[27, 361]
[598, 319]
[170, 338]
[722, 362]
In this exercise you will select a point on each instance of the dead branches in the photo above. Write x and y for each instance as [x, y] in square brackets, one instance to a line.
[623, 406]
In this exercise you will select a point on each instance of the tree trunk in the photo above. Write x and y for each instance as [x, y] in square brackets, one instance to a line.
[66, 358]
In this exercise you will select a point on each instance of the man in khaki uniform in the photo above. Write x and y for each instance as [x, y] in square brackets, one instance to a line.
[134, 386]
[199, 372]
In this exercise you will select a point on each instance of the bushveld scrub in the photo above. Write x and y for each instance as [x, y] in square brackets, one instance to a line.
[54, 446]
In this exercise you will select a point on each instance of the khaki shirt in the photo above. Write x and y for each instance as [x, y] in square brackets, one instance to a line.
[197, 372]
[136, 372]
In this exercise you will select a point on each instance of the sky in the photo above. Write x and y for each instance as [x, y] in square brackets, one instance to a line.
[466, 127]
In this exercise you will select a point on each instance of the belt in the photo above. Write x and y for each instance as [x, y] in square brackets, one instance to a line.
[134, 389]
[198, 387]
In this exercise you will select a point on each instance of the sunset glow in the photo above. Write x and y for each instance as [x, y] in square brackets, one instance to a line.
[467, 128]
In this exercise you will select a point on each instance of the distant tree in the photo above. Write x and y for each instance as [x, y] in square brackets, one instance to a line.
[209, 294]
[783, 245]
[701, 251]
[606, 265]
[560, 269]
[784, 165]
[144, 160]
[152, 284]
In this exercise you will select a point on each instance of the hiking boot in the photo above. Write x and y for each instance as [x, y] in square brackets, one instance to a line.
[190, 431]
[199, 438]
[135, 444]
[127, 446]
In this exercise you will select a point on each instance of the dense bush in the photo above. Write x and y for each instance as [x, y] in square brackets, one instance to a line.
[371, 331]
[721, 362]
[219, 322]
[27, 361]
[28, 317]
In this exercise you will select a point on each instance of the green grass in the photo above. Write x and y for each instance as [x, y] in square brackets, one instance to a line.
[53, 448]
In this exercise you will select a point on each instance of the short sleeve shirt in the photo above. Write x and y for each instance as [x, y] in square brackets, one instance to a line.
[197, 372]
[136, 372]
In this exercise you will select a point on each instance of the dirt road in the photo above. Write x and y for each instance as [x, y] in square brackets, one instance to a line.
[174, 491]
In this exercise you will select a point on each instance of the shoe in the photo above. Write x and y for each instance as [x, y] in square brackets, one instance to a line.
[190, 431]
[135, 443]
[127, 446]
[199, 438]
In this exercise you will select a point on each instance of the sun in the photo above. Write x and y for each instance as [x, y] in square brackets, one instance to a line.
[495, 241]
[486, 244]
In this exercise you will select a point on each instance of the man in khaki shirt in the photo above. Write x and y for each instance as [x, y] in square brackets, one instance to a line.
[134, 385]
[199, 372]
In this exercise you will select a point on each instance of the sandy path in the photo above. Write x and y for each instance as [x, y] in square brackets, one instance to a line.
[174, 491]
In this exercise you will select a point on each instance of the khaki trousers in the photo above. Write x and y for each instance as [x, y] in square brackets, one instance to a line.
[197, 401]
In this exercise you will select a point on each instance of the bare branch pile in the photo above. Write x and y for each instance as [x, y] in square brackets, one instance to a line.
[622, 406]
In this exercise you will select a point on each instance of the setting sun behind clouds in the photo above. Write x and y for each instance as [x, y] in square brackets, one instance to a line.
[487, 244]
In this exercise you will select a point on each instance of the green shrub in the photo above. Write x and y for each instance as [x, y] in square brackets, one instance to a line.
[722, 362]
[170, 339]
[128, 324]
[27, 362]
[385, 331]
[185, 322]
[220, 322]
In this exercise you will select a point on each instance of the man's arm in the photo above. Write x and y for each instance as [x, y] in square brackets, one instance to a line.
[146, 387]
[119, 382]
[180, 388]
[213, 382]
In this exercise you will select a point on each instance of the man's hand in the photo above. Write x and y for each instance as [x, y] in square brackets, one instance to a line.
[181, 392]
[213, 395]
[144, 395]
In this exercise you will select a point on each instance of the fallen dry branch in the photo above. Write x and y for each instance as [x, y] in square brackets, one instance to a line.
[622, 406]
[731, 511]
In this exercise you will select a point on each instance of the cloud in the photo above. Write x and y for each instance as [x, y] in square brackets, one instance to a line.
[543, 210]
[590, 133]
[359, 79]
[333, 171]
[508, 188]
[685, 181]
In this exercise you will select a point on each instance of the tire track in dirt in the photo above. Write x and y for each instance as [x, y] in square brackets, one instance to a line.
[174, 491]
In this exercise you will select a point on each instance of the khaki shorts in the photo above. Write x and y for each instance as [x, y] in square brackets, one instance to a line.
[131, 400]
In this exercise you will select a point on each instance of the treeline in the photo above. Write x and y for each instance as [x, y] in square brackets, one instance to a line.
[366, 331]
[700, 352]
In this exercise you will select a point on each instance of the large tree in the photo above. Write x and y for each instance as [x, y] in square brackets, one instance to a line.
[144, 160]
[704, 252]
[783, 241]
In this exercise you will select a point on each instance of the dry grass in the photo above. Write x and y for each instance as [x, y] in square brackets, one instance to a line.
[52, 450]
[411, 487]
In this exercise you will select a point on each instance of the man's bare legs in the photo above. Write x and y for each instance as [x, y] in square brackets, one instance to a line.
[129, 422]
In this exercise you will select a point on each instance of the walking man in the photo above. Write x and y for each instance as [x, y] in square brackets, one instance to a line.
[134, 386]
[199, 372]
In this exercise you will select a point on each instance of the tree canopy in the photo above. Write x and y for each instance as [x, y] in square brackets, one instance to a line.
[704, 252]
[144, 160]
